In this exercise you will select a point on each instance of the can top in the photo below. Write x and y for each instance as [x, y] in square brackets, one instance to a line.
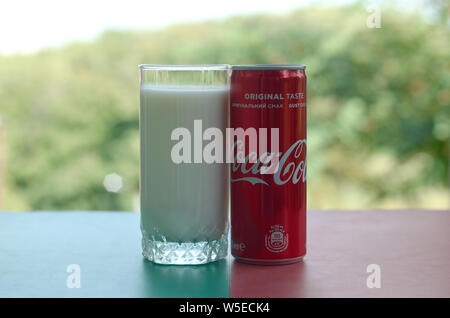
[273, 67]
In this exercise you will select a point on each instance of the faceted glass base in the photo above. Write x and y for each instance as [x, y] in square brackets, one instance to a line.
[186, 253]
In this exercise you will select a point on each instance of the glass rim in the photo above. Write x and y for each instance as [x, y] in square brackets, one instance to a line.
[184, 67]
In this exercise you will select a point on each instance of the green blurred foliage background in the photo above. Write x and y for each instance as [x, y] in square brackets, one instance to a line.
[378, 107]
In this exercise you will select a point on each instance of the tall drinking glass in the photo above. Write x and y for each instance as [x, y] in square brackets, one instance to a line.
[184, 200]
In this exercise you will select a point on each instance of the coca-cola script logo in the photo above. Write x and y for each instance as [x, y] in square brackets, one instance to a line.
[286, 169]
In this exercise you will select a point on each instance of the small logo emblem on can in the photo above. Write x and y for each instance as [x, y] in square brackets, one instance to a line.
[277, 239]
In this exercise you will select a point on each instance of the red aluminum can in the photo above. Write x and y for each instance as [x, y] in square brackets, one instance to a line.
[268, 211]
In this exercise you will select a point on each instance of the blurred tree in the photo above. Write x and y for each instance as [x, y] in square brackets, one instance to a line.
[378, 106]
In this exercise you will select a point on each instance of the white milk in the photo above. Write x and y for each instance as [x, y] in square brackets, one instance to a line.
[187, 201]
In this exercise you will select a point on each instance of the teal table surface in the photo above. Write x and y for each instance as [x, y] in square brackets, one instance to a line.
[38, 248]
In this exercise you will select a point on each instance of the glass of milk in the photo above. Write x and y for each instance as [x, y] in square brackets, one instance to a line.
[184, 205]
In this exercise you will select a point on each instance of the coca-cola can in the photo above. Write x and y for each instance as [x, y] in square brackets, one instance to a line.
[268, 199]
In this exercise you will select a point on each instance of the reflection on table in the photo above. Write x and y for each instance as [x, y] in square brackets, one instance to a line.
[208, 280]
[248, 280]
